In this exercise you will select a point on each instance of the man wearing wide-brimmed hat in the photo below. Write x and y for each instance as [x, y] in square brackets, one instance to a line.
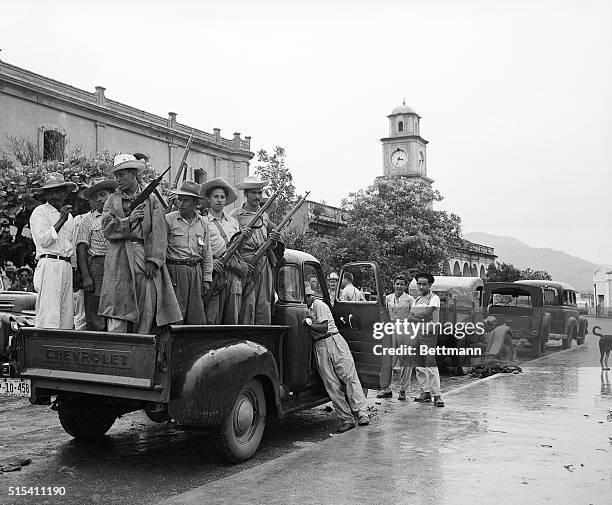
[52, 229]
[256, 302]
[137, 291]
[23, 281]
[189, 257]
[92, 247]
[223, 307]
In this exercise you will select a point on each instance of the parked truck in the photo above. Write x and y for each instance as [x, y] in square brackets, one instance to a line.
[230, 378]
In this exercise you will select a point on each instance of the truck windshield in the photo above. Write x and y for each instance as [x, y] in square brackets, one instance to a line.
[288, 284]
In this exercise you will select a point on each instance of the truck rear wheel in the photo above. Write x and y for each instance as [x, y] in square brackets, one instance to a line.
[571, 330]
[243, 428]
[538, 346]
[86, 425]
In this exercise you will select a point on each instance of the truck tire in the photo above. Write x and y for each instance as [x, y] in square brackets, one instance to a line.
[571, 333]
[87, 426]
[539, 346]
[582, 331]
[243, 428]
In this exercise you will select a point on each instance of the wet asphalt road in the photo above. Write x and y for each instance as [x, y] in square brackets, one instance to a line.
[142, 462]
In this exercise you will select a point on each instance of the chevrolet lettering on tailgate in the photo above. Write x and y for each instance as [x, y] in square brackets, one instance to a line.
[83, 355]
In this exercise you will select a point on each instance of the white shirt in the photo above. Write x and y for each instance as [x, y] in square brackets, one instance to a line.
[399, 308]
[430, 300]
[351, 294]
[46, 239]
[319, 312]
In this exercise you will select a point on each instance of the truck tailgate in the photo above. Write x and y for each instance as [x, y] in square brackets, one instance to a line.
[121, 359]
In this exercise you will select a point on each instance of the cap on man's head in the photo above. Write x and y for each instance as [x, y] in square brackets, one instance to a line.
[333, 275]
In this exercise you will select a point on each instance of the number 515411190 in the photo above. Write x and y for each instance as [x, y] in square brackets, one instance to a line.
[37, 491]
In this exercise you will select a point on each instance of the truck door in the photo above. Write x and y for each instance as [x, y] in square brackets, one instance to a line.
[358, 307]
[551, 304]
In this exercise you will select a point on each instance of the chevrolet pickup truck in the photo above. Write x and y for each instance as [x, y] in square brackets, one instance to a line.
[230, 378]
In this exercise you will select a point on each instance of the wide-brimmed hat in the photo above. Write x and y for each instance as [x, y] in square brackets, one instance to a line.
[219, 182]
[26, 268]
[188, 188]
[252, 182]
[425, 275]
[125, 161]
[98, 184]
[9, 266]
[55, 180]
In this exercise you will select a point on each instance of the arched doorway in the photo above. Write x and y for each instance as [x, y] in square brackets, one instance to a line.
[457, 269]
[474, 270]
[483, 272]
[466, 270]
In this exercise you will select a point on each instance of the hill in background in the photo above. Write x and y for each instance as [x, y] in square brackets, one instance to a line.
[561, 266]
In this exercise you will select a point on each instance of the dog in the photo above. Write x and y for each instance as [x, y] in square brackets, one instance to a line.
[605, 346]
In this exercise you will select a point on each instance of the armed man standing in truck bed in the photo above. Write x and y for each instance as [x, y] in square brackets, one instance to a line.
[137, 289]
[223, 307]
[189, 259]
[257, 299]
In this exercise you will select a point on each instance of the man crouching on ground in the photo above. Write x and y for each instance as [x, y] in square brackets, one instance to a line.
[335, 363]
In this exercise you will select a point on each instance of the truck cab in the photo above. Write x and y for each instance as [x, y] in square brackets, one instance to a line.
[231, 378]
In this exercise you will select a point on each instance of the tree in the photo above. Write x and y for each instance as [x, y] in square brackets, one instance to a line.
[393, 223]
[504, 272]
[272, 168]
[507, 272]
[529, 274]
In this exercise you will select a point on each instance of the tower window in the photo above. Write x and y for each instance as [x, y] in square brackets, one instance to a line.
[400, 126]
[54, 144]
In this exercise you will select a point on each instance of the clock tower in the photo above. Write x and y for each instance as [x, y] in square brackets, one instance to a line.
[404, 150]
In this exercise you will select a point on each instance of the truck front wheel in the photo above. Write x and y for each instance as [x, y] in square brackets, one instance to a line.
[243, 428]
[86, 425]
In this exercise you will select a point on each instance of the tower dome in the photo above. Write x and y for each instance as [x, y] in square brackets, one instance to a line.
[402, 109]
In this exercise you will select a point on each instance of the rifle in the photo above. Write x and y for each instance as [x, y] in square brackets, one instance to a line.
[234, 246]
[267, 245]
[148, 191]
[183, 164]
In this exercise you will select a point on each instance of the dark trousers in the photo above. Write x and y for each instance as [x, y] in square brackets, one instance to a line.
[94, 322]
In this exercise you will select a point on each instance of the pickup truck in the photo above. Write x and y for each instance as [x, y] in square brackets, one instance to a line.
[230, 378]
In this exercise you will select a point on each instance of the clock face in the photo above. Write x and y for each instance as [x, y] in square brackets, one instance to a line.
[399, 158]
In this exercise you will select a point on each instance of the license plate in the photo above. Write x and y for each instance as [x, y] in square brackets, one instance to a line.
[15, 387]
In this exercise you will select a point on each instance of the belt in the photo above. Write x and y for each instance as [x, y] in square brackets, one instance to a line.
[56, 257]
[327, 335]
[189, 263]
[137, 241]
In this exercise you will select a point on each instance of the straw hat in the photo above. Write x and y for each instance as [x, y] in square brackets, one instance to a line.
[252, 182]
[125, 161]
[26, 268]
[98, 184]
[219, 182]
[55, 180]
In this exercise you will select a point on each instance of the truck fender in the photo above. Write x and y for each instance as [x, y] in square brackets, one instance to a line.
[204, 386]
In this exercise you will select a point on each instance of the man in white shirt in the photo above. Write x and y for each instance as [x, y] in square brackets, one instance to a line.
[335, 363]
[349, 292]
[52, 229]
[428, 376]
[398, 304]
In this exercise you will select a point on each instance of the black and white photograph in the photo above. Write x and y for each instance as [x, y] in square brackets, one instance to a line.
[305, 252]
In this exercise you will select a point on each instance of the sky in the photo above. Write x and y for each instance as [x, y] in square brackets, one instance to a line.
[515, 96]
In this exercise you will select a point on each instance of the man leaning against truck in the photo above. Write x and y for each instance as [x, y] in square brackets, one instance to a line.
[137, 289]
[335, 363]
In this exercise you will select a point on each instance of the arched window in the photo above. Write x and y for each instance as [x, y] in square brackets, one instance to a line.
[400, 126]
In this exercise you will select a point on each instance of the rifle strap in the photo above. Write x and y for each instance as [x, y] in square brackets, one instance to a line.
[216, 221]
